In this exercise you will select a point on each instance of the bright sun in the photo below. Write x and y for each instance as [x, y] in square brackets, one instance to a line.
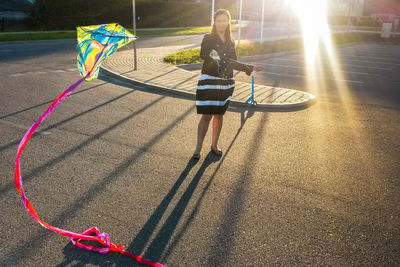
[314, 25]
[320, 57]
[308, 9]
[322, 68]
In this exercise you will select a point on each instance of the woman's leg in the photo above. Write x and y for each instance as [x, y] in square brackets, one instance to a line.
[202, 130]
[217, 126]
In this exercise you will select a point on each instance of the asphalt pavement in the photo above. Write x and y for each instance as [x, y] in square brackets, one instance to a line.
[368, 72]
[318, 186]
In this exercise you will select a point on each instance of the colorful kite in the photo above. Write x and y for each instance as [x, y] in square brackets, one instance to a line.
[95, 43]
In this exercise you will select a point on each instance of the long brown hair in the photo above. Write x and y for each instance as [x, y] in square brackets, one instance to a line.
[228, 31]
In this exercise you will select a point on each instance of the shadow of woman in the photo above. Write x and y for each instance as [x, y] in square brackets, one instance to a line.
[75, 257]
[158, 246]
[159, 243]
[80, 257]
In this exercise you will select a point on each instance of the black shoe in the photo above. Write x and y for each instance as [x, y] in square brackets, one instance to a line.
[217, 152]
[196, 156]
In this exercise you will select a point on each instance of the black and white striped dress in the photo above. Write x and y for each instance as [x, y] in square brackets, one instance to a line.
[213, 94]
[216, 84]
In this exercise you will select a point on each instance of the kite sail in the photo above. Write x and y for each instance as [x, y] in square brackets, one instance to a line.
[95, 44]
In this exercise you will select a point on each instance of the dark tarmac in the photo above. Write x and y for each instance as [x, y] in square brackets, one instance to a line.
[318, 186]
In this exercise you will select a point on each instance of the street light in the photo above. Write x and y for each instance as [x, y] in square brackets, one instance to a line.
[134, 32]
[350, 6]
[262, 22]
[212, 12]
[240, 20]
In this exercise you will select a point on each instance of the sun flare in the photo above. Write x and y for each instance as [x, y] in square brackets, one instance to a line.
[323, 71]
[312, 15]
[318, 47]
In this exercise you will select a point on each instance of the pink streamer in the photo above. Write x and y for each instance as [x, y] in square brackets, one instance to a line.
[102, 238]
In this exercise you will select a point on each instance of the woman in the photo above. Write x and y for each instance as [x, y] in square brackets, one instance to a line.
[216, 84]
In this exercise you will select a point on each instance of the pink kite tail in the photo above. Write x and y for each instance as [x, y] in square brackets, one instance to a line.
[102, 238]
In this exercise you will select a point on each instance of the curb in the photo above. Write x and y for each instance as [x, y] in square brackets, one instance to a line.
[191, 96]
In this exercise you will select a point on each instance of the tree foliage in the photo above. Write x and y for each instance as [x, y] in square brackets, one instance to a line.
[67, 14]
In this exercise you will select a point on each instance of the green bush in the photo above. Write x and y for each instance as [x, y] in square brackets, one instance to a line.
[186, 56]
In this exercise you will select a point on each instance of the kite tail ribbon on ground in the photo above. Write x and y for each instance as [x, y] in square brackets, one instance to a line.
[103, 238]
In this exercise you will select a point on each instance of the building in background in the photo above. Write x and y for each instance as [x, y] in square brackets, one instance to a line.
[13, 13]
[352, 8]
[384, 10]
[15, 9]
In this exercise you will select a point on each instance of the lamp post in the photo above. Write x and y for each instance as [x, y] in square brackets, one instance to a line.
[262, 22]
[212, 12]
[240, 21]
[134, 32]
[350, 5]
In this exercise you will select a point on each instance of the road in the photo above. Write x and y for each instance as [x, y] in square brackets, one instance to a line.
[361, 73]
[16, 50]
[318, 186]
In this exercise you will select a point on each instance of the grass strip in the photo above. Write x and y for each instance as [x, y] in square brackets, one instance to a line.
[189, 56]
[28, 36]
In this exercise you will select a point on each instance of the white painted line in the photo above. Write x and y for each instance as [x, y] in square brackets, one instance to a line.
[368, 52]
[57, 71]
[19, 126]
[343, 57]
[298, 75]
[367, 47]
[28, 73]
[346, 55]
[374, 62]
[295, 67]
[17, 74]
[340, 64]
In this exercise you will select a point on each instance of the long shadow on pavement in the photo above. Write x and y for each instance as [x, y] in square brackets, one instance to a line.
[161, 246]
[34, 242]
[16, 142]
[47, 102]
[245, 115]
[138, 244]
[78, 257]
[158, 249]
[43, 167]
[162, 238]
[222, 245]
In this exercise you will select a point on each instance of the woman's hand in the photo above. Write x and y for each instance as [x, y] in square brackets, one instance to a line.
[258, 68]
[214, 54]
